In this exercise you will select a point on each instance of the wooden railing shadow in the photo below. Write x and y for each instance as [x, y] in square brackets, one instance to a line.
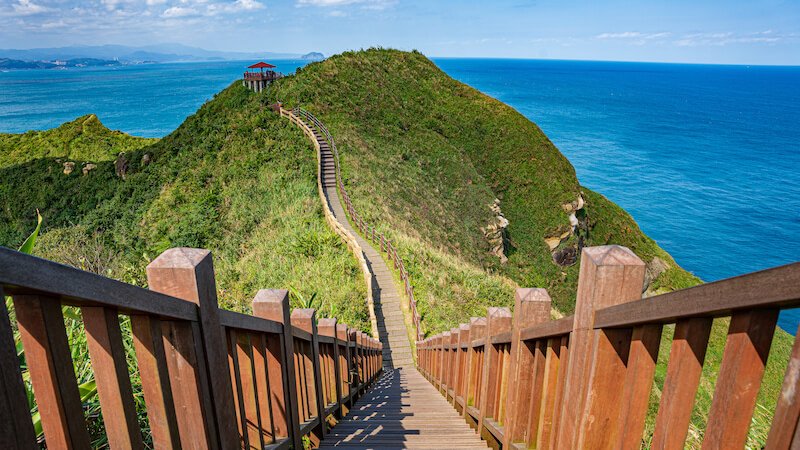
[584, 381]
[211, 378]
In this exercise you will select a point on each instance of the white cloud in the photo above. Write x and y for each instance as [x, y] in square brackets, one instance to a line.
[365, 4]
[720, 39]
[178, 11]
[27, 7]
[237, 6]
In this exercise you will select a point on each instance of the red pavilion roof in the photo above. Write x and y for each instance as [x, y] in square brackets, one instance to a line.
[261, 65]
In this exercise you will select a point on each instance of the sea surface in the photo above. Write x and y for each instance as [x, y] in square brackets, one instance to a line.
[705, 157]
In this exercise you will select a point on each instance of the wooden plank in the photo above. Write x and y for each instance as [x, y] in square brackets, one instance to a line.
[47, 355]
[152, 366]
[193, 416]
[238, 397]
[498, 320]
[746, 351]
[274, 305]
[232, 319]
[531, 307]
[685, 366]
[16, 428]
[262, 387]
[306, 319]
[547, 410]
[609, 275]
[247, 383]
[782, 434]
[25, 274]
[559, 398]
[538, 352]
[777, 288]
[107, 356]
[189, 274]
[546, 330]
[638, 383]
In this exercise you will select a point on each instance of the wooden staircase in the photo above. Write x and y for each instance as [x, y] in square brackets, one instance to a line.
[402, 411]
[392, 330]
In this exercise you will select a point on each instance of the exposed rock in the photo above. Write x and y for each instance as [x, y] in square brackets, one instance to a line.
[566, 256]
[69, 166]
[87, 167]
[654, 268]
[495, 232]
[578, 225]
[121, 166]
[146, 159]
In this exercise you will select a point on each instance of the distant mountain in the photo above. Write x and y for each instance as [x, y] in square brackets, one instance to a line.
[313, 56]
[128, 54]
[6, 63]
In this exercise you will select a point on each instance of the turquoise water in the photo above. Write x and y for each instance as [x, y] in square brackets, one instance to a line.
[705, 158]
[149, 100]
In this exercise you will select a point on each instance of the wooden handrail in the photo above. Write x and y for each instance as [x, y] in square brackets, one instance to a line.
[211, 378]
[584, 381]
[367, 230]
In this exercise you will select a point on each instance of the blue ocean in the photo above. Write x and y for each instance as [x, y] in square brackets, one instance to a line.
[705, 157]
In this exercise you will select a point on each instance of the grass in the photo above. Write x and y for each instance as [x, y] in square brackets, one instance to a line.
[423, 156]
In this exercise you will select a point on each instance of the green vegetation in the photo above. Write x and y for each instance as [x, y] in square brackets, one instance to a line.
[234, 178]
[423, 156]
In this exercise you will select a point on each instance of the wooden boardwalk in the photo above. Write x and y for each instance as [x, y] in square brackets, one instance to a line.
[391, 322]
[402, 410]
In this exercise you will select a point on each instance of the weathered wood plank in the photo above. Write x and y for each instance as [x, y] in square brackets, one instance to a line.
[107, 356]
[16, 428]
[47, 354]
[684, 368]
[746, 351]
[783, 433]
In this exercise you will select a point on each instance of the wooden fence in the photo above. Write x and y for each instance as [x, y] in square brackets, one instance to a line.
[584, 381]
[368, 231]
[211, 378]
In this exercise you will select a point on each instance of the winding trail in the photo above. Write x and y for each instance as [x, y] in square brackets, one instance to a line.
[392, 330]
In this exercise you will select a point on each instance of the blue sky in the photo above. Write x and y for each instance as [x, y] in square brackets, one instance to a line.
[702, 31]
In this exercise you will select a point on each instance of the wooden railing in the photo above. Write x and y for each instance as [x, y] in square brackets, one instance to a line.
[211, 378]
[584, 381]
[368, 231]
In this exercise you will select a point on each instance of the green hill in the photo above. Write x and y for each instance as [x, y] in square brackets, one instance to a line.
[436, 165]
[234, 178]
[424, 157]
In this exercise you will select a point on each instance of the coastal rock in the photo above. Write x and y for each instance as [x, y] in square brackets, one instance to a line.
[121, 165]
[146, 159]
[654, 268]
[496, 233]
[566, 256]
[69, 166]
[88, 167]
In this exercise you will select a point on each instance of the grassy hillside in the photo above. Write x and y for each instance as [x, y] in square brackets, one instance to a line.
[424, 157]
[234, 178]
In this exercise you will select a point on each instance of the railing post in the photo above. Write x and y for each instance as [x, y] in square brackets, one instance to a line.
[531, 307]
[452, 377]
[274, 305]
[188, 274]
[596, 371]
[498, 320]
[444, 341]
[327, 327]
[306, 320]
[355, 377]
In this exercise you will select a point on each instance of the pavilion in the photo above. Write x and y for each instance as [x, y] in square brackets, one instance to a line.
[260, 79]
